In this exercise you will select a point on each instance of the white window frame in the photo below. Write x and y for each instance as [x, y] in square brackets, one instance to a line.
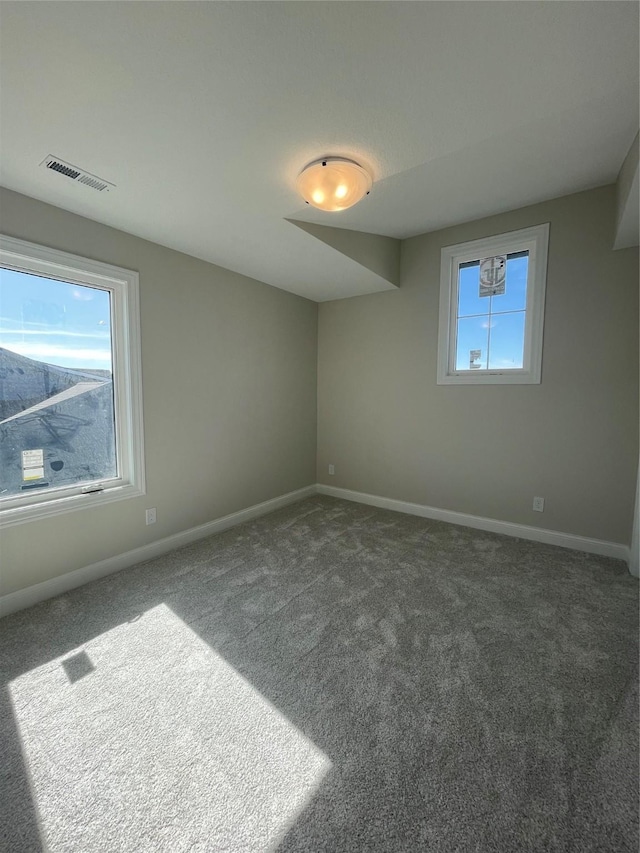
[123, 285]
[535, 241]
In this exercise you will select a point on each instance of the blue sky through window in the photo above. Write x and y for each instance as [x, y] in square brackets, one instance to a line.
[56, 322]
[494, 325]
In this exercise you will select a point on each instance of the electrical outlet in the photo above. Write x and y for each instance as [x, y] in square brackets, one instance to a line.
[538, 504]
[150, 516]
[332, 469]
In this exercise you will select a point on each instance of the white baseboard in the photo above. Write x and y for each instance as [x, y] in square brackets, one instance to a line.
[56, 586]
[521, 531]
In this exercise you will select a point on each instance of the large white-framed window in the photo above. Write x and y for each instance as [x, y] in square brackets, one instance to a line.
[492, 309]
[71, 430]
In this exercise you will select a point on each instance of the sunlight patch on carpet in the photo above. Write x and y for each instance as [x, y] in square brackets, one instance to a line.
[146, 739]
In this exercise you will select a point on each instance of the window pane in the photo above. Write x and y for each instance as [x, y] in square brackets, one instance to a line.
[468, 286]
[56, 392]
[473, 334]
[507, 341]
[514, 297]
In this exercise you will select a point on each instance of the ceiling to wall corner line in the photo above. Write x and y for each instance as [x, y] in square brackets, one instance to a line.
[374, 252]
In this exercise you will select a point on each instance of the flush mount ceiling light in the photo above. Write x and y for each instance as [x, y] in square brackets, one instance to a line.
[333, 183]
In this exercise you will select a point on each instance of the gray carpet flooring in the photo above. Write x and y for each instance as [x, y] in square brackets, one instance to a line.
[330, 677]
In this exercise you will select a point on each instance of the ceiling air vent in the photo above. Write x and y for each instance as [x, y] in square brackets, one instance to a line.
[76, 174]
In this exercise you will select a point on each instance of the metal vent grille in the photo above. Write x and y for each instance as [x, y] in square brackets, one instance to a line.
[76, 174]
[93, 182]
[64, 170]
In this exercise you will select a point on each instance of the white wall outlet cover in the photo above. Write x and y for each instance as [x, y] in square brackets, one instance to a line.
[538, 504]
[332, 469]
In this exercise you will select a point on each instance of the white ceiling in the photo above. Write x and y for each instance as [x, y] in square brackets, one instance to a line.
[203, 113]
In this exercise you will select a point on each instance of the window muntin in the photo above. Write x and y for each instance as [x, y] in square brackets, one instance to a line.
[493, 325]
[70, 385]
[495, 337]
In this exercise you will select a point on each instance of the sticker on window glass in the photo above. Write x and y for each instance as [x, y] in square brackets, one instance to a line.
[32, 464]
[493, 274]
[474, 358]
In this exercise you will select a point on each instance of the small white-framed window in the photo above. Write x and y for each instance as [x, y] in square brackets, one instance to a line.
[71, 431]
[492, 309]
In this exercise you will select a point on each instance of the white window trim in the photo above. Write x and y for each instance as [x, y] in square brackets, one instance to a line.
[123, 285]
[535, 240]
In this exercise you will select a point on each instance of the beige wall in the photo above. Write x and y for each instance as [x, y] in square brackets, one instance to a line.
[391, 431]
[229, 377]
[229, 374]
[627, 214]
[634, 560]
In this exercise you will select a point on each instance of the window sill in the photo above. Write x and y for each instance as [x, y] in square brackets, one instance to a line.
[469, 378]
[47, 509]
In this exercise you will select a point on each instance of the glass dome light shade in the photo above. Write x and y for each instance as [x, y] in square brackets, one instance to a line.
[333, 183]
